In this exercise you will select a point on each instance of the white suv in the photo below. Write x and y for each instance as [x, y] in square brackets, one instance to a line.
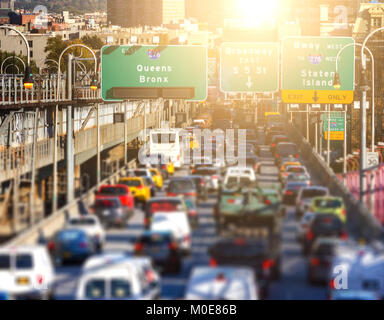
[26, 272]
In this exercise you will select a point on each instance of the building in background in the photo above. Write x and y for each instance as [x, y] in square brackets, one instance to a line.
[6, 7]
[133, 13]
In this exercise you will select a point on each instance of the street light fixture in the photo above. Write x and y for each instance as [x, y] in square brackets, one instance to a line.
[94, 84]
[28, 80]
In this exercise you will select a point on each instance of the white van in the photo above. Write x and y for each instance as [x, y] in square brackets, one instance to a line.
[169, 143]
[239, 173]
[26, 272]
[176, 222]
[117, 276]
[222, 283]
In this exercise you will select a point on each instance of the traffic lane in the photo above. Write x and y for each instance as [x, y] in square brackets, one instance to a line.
[117, 240]
[293, 284]
[173, 286]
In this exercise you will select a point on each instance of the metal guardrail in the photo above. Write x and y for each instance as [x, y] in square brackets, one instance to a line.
[44, 91]
[51, 224]
[361, 223]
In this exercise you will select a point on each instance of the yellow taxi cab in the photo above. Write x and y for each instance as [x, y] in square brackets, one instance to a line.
[170, 168]
[157, 177]
[286, 164]
[138, 187]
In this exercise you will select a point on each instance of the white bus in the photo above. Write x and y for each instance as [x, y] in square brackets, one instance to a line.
[169, 143]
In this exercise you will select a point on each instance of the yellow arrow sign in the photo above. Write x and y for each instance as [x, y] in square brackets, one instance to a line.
[317, 96]
[335, 135]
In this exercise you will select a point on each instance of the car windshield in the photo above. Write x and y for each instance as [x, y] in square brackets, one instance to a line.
[179, 185]
[5, 261]
[140, 173]
[112, 191]
[131, 183]
[328, 203]
[82, 222]
[120, 289]
[311, 193]
[107, 203]
[297, 177]
[24, 261]
[268, 170]
[95, 289]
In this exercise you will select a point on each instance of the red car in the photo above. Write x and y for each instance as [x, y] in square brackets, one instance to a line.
[118, 190]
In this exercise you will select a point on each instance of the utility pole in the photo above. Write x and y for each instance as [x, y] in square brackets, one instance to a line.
[70, 143]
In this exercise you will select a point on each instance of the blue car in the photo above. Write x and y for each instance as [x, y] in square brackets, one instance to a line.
[71, 245]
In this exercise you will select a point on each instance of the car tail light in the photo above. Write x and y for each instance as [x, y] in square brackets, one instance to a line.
[276, 156]
[310, 235]
[164, 166]
[267, 264]
[315, 261]
[172, 245]
[187, 238]
[273, 145]
[139, 246]
[190, 194]
[39, 279]
[288, 192]
[51, 245]
[83, 245]
[332, 284]
[344, 236]
[297, 156]
[213, 263]
[192, 212]
[231, 201]
[139, 187]
[171, 194]
[343, 212]
[150, 275]
[267, 202]
[215, 177]
[240, 242]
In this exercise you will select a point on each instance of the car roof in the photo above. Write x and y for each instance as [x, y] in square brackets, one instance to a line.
[117, 263]
[227, 270]
[23, 248]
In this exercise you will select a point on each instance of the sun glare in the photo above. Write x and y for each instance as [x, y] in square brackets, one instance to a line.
[257, 12]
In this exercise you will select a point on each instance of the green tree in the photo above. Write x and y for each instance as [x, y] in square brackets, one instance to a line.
[92, 41]
[4, 55]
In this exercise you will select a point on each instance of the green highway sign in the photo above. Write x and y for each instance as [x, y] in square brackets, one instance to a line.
[249, 67]
[309, 68]
[177, 70]
[336, 124]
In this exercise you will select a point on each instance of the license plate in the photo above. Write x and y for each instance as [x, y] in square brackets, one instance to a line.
[23, 280]
[67, 254]
[106, 213]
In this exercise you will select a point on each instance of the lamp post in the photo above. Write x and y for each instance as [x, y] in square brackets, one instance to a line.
[11, 57]
[28, 81]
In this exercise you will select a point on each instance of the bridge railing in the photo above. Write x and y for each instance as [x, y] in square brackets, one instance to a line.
[12, 91]
[361, 222]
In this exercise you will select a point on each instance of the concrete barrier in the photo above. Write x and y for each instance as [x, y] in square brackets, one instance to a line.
[53, 223]
[361, 222]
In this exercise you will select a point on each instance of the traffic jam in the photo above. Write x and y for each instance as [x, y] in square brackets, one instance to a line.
[204, 229]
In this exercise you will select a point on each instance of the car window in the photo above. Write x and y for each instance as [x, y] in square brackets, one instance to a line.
[131, 183]
[70, 235]
[120, 289]
[95, 289]
[112, 191]
[24, 261]
[311, 193]
[82, 222]
[156, 238]
[181, 185]
[325, 249]
[5, 261]
[328, 203]
[107, 203]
